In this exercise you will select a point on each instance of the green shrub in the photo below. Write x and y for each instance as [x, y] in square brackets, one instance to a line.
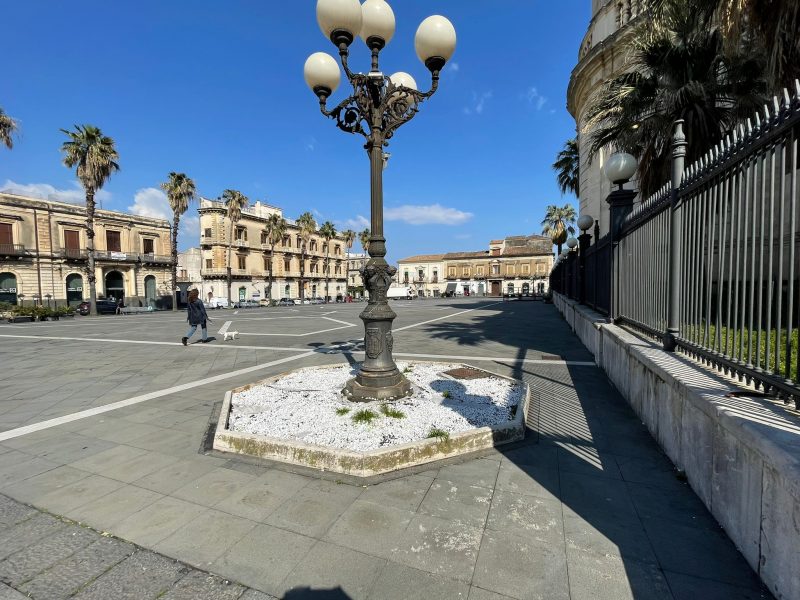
[447, 394]
[365, 416]
[342, 411]
[392, 412]
[435, 432]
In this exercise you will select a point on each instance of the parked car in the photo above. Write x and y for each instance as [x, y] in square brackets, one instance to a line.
[317, 301]
[285, 302]
[245, 304]
[302, 301]
[105, 306]
[218, 303]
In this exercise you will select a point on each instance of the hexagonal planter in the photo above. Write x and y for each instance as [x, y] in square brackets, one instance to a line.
[375, 461]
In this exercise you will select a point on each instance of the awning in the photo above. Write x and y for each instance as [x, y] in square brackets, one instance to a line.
[451, 287]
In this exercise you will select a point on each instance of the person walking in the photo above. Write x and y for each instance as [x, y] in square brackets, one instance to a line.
[196, 315]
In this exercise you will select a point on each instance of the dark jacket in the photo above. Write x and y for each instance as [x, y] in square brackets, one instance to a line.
[196, 313]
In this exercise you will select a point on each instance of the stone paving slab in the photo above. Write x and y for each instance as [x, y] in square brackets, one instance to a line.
[586, 506]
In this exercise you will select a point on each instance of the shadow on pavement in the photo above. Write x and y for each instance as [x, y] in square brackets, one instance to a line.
[302, 593]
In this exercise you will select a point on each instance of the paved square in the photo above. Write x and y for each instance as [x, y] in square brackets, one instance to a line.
[102, 422]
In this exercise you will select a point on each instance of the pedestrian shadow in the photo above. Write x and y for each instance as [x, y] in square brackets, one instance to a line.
[304, 593]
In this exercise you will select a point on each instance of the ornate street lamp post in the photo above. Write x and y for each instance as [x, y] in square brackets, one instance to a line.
[378, 106]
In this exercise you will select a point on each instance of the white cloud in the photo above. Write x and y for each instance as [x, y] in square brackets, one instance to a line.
[311, 144]
[189, 230]
[454, 67]
[478, 103]
[431, 214]
[358, 224]
[535, 99]
[45, 191]
[151, 202]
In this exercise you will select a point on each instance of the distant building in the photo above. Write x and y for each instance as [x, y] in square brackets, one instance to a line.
[190, 263]
[517, 264]
[355, 284]
[250, 257]
[602, 56]
[44, 259]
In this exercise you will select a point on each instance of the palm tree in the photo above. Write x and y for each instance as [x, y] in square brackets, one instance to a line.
[558, 223]
[180, 191]
[349, 236]
[236, 202]
[8, 126]
[94, 157]
[774, 24]
[677, 69]
[276, 230]
[327, 231]
[567, 168]
[308, 227]
[364, 239]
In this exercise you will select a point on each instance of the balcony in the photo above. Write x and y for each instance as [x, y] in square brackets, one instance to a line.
[129, 257]
[223, 274]
[73, 253]
[241, 244]
[12, 250]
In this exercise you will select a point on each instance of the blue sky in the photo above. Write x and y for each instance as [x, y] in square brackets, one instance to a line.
[215, 89]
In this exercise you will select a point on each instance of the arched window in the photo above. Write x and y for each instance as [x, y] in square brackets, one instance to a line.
[510, 288]
[74, 289]
[286, 291]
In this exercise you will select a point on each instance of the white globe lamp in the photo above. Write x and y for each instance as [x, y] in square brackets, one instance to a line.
[435, 42]
[339, 20]
[322, 74]
[377, 23]
[620, 167]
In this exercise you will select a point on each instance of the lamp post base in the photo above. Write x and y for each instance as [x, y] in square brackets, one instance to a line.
[379, 377]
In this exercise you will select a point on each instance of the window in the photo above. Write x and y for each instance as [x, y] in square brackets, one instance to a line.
[287, 242]
[264, 237]
[451, 272]
[480, 271]
[72, 239]
[207, 233]
[266, 264]
[405, 277]
[526, 269]
[242, 262]
[241, 234]
[495, 269]
[209, 263]
[420, 274]
[337, 250]
[540, 268]
[113, 242]
[465, 272]
[6, 234]
[510, 270]
[147, 245]
[287, 264]
[324, 248]
[435, 276]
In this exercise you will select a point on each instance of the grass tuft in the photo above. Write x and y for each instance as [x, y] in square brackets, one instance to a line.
[447, 394]
[365, 416]
[389, 411]
[435, 432]
[342, 411]
[408, 369]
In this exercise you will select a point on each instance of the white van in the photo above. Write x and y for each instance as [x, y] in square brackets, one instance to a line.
[400, 293]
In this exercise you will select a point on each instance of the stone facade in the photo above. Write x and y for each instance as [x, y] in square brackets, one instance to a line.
[250, 257]
[517, 264]
[43, 253]
[602, 56]
[355, 283]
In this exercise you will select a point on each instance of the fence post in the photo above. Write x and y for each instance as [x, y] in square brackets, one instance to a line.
[620, 206]
[584, 239]
[675, 247]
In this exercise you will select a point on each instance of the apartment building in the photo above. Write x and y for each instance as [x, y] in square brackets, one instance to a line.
[513, 265]
[44, 259]
[250, 258]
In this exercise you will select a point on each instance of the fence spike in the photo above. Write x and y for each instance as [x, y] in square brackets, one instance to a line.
[735, 133]
[776, 106]
[787, 101]
[797, 90]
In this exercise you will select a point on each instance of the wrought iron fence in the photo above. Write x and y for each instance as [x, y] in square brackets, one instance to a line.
[710, 262]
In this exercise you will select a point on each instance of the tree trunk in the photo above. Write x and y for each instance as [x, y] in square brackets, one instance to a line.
[269, 285]
[175, 223]
[327, 270]
[230, 245]
[90, 248]
[347, 273]
[302, 271]
[559, 245]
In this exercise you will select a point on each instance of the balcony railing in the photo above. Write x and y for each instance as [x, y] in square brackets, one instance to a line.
[12, 249]
[73, 253]
[128, 257]
[217, 273]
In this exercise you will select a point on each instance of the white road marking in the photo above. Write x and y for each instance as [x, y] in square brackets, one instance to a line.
[499, 359]
[300, 334]
[236, 312]
[224, 328]
[20, 431]
[395, 330]
[154, 343]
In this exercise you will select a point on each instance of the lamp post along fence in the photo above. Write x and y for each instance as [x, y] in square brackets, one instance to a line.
[378, 106]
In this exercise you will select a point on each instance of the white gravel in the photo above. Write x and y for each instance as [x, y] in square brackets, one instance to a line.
[302, 406]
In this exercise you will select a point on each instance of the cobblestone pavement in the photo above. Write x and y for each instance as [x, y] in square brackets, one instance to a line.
[102, 422]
